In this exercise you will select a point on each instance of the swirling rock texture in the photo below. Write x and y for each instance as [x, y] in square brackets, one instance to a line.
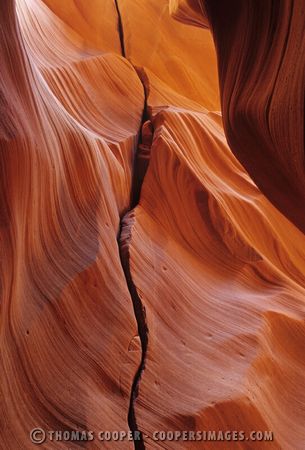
[152, 277]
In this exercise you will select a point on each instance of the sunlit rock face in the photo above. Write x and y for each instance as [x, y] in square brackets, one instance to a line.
[152, 219]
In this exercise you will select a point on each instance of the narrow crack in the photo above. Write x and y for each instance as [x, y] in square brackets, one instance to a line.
[142, 156]
[140, 315]
[140, 167]
[120, 28]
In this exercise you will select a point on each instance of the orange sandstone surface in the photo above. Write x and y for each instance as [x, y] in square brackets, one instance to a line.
[152, 221]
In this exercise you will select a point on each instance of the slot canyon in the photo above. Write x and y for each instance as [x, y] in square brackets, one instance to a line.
[152, 224]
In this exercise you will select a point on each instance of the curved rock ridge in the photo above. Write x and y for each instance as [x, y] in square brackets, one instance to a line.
[261, 73]
[190, 12]
[152, 277]
[216, 357]
[68, 140]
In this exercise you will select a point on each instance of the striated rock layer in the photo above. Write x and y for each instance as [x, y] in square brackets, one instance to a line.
[262, 77]
[68, 140]
[152, 277]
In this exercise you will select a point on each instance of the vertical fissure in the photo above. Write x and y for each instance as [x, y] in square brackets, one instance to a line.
[140, 166]
[120, 28]
[141, 162]
[140, 315]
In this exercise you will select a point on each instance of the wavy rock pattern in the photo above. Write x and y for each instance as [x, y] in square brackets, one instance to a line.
[262, 88]
[67, 149]
[213, 336]
[148, 281]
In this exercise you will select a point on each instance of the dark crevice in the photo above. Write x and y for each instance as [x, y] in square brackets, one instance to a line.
[120, 28]
[142, 156]
[140, 315]
[141, 162]
[140, 166]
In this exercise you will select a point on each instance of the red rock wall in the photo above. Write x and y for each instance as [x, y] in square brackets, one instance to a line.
[152, 274]
[260, 47]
